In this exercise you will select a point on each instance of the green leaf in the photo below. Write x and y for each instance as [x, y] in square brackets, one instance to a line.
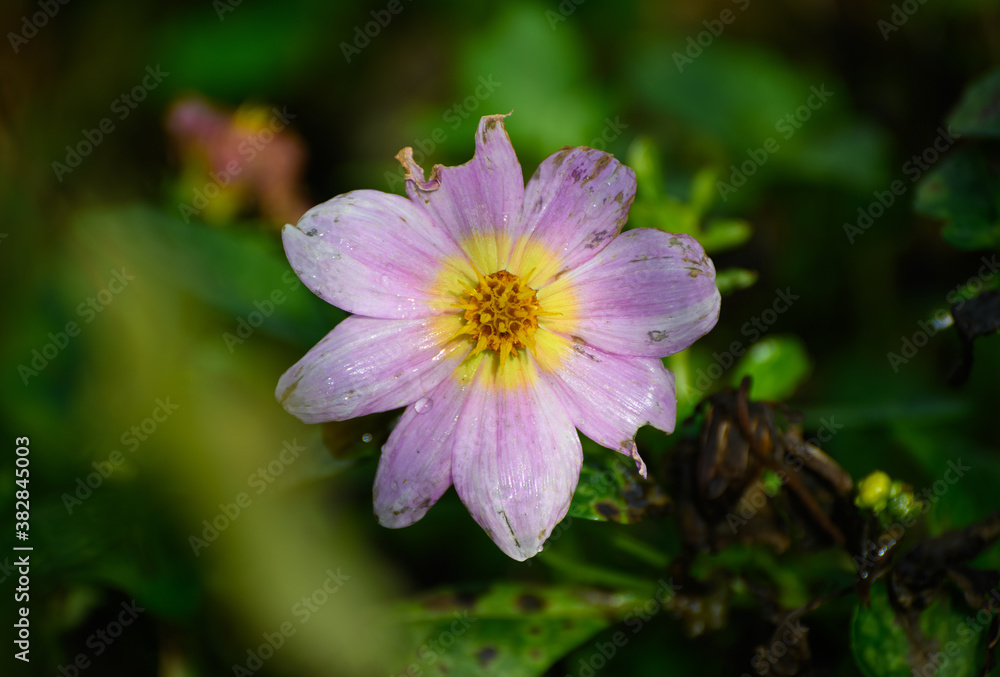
[703, 191]
[724, 234]
[778, 366]
[882, 649]
[512, 630]
[743, 96]
[964, 191]
[644, 159]
[250, 48]
[733, 279]
[611, 489]
[978, 113]
[541, 74]
[238, 271]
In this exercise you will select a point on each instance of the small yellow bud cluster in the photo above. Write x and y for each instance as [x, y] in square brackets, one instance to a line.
[887, 498]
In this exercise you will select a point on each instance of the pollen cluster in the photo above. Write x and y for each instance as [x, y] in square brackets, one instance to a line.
[501, 314]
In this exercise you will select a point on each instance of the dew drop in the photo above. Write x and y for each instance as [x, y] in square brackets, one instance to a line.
[367, 437]
[422, 405]
[384, 280]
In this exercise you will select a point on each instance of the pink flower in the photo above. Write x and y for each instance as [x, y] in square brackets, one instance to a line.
[503, 317]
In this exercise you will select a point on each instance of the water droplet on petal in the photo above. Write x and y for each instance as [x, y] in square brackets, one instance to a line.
[422, 405]
[384, 280]
[367, 437]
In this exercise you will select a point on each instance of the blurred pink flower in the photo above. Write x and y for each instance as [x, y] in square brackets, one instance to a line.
[231, 162]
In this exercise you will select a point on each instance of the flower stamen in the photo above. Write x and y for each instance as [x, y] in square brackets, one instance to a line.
[501, 314]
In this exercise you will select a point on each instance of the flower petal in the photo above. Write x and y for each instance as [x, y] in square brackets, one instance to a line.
[415, 467]
[575, 203]
[376, 254]
[517, 456]
[367, 364]
[478, 202]
[609, 397]
[649, 293]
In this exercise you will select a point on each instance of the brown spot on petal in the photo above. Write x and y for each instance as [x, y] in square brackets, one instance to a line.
[598, 168]
[503, 513]
[657, 335]
[561, 155]
[597, 238]
[289, 390]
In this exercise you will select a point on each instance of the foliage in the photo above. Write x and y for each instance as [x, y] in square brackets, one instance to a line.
[827, 502]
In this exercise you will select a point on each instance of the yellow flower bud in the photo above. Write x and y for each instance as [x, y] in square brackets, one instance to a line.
[873, 491]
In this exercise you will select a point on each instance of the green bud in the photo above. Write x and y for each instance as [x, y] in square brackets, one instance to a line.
[874, 491]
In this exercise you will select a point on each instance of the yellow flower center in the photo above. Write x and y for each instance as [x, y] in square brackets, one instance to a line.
[501, 314]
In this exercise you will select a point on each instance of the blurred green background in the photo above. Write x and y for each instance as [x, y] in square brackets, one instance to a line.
[162, 471]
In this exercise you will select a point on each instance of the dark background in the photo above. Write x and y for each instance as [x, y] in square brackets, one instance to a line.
[591, 73]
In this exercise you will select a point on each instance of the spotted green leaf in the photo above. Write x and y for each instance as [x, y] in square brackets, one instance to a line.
[978, 113]
[512, 630]
[948, 639]
[964, 190]
[610, 489]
